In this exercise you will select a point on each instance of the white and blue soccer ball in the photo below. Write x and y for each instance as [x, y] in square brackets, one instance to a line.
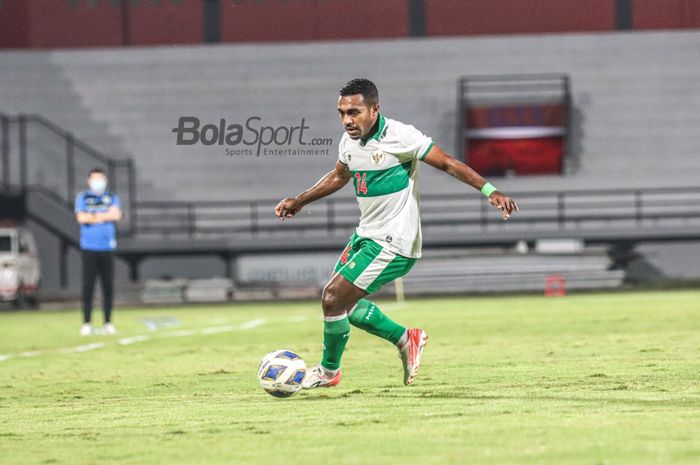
[281, 373]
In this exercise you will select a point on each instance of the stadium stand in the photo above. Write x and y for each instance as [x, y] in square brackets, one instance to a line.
[499, 272]
[127, 101]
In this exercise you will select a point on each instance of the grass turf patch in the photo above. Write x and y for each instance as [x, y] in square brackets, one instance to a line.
[585, 379]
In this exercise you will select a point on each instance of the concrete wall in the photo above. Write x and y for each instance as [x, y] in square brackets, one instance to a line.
[636, 98]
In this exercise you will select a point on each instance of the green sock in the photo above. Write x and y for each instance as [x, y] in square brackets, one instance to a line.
[336, 331]
[367, 316]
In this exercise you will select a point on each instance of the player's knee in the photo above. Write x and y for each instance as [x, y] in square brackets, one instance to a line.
[330, 301]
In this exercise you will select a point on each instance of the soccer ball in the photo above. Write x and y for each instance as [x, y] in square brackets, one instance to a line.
[281, 373]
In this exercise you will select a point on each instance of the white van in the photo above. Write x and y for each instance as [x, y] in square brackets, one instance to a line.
[19, 266]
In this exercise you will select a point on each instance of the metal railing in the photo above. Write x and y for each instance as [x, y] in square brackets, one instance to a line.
[542, 210]
[50, 158]
[37, 152]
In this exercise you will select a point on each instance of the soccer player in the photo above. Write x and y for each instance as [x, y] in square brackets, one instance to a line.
[380, 156]
[97, 210]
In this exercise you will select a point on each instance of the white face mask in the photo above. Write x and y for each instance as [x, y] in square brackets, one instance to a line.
[98, 185]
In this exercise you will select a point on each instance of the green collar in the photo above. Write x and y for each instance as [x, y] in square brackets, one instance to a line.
[377, 134]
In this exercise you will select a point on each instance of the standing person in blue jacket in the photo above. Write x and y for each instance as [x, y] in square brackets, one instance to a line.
[97, 210]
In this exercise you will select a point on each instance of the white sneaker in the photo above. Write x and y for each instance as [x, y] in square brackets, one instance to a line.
[109, 329]
[86, 329]
[316, 377]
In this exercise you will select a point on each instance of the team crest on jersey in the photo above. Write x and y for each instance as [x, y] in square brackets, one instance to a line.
[106, 199]
[377, 157]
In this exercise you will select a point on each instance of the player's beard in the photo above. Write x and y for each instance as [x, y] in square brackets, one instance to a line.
[354, 132]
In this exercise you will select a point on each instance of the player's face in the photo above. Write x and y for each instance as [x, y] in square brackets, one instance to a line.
[356, 116]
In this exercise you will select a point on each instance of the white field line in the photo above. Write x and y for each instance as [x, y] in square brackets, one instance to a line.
[125, 341]
[218, 329]
[180, 333]
[30, 353]
[253, 323]
[84, 347]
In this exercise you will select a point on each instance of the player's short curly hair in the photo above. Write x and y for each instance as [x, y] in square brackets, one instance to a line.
[361, 86]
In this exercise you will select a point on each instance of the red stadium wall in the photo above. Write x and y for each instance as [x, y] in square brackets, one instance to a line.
[166, 23]
[473, 17]
[42, 24]
[666, 14]
[94, 23]
[61, 24]
[14, 24]
[275, 20]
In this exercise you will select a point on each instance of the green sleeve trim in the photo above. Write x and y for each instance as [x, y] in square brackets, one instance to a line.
[425, 154]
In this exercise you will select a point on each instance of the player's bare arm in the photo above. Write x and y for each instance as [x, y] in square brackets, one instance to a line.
[441, 160]
[327, 185]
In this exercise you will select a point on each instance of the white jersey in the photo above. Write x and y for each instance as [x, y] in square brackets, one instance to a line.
[384, 168]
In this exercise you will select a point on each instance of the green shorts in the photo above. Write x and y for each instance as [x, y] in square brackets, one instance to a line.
[369, 266]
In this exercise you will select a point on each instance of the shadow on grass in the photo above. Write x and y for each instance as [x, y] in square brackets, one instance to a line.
[409, 393]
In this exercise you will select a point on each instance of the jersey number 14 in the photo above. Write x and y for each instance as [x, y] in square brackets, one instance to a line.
[361, 183]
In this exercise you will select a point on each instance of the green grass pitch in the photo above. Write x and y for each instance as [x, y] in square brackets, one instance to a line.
[607, 378]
